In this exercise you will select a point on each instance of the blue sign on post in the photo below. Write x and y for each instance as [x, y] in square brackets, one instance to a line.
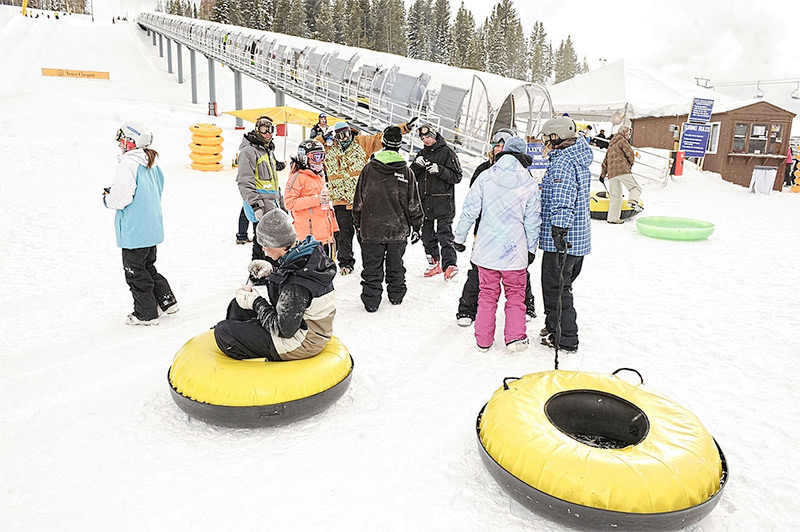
[540, 162]
[701, 110]
[694, 139]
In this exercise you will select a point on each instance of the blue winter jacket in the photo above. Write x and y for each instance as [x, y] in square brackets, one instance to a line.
[136, 194]
[506, 197]
[565, 197]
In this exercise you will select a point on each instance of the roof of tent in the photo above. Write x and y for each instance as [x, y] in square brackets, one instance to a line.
[599, 94]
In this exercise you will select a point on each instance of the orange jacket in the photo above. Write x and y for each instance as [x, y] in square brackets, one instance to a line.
[302, 200]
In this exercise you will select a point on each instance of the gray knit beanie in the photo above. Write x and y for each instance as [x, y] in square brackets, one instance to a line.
[275, 230]
[515, 145]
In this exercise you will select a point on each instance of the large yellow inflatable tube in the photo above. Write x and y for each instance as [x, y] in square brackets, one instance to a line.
[598, 206]
[213, 167]
[674, 464]
[204, 158]
[255, 392]
[205, 130]
[208, 141]
[205, 150]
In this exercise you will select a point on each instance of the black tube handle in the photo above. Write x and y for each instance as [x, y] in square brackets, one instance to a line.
[641, 379]
[505, 381]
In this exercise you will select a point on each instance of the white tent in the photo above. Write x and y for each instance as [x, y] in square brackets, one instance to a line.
[623, 91]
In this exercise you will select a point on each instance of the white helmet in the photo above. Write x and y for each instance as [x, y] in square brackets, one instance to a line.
[136, 133]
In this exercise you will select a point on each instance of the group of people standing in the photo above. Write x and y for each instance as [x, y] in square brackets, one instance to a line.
[344, 185]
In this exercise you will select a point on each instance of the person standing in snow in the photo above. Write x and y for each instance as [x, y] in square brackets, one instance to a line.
[136, 196]
[438, 171]
[468, 303]
[321, 129]
[287, 312]
[307, 196]
[617, 168]
[507, 200]
[344, 160]
[565, 235]
[257, 176]
[386, 210]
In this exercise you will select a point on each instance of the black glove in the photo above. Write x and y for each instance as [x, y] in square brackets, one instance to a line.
[410, 123]
[106, 191]
[531, 257]
[415, 236]
[279, 166]
[559, 234]
[461, 248]
[602, 179]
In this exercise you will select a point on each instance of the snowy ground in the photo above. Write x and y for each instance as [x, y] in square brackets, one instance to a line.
[91, 439]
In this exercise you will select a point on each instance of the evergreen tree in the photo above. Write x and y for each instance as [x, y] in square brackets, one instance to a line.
[325, 27]
[280, 24]
[379, 25]
[566, 63]
[297, 20]
[414, 30]
[396, 14]
[353, 31]
[207, 9]
[441, 42]
[538, 53]
[463, 35]
[584, 66]
[247, 13]
[312, 11]
[220, 12]
[505, 42]
[339, 15]
[476, 53]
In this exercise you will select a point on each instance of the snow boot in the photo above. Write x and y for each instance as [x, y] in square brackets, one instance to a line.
[345, 270]
[450, 272]
[518, 345]
[435, 267]
[549, 342]
[464, 320]
[132, 319]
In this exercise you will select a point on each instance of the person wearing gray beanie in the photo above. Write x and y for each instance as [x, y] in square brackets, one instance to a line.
[275, 230]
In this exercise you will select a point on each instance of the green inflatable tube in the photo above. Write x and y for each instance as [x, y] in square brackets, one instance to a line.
[674, 228]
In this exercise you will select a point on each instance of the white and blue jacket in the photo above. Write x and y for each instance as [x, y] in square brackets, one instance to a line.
[565, 197]
[506, 197]
[136, 194]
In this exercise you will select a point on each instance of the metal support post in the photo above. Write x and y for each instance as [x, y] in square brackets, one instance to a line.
[193, 74]
[237, 95]
[179, 48]
[160, 45]
[212, 89]
[169, 55]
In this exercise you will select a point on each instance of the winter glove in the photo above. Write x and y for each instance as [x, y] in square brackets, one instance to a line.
[559, 234]
[602, 179]
[433, 168]
[259, 268]
[106, 191]
[245, 297]
[410, 123]
[324, 197]
[421, 161]
[461, 248]
[531, 257]
[415, 236]
[279, 166]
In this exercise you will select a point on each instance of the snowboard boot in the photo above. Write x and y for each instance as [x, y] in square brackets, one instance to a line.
[435, 267]
[450, 272]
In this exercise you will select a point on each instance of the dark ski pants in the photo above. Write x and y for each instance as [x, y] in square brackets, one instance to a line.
[244, 223]
[468, 303]
[437, 238]
[241, 335]
[551, 266]
[344, 237]
[150, 289]
[375, 257]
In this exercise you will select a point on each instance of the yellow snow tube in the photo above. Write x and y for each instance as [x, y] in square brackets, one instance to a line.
[205, 130]
[204, 149]
[670, 461]
[255, 392]
[207, 141]
[598, 206]
[215, 167]
[205, 159]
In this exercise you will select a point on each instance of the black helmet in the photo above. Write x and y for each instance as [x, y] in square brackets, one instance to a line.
[310, 149]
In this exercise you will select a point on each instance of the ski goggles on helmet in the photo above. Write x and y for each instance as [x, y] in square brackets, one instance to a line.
[264, 126]
[316, 156]
[500, 136]
[426, 131]
[343, 135]
[120, 135]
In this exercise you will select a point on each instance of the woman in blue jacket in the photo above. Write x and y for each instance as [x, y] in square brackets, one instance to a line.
[136, 196]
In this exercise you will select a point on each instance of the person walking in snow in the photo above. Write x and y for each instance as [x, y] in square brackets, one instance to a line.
[307, 196]
[344, 160]
[468, 303]
[386, 211]
[287, 311]
[438, 171]
[257, 176]
[565, 235]
[136, 196]
[507, 200]
[617, 169]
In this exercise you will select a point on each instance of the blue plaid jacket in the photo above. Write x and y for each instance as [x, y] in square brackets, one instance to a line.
[565, 198]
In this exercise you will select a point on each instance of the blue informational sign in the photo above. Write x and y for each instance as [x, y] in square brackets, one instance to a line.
[535, 151]
[694, 139]
[701, 110]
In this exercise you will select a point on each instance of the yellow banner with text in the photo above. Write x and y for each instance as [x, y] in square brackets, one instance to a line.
[67, 73]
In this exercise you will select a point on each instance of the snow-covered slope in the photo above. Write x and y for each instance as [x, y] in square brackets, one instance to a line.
[91, 440]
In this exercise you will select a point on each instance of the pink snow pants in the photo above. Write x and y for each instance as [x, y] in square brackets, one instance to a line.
[514, 286]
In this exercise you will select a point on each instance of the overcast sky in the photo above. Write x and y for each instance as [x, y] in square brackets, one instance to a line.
[724, 40]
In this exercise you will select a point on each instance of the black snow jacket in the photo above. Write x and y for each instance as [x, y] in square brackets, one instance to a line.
[386, 200]
[438, 189]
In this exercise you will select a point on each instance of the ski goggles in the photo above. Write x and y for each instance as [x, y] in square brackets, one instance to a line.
[120, 135]
[426, 131]
[342, 135]
[500, 136]
[265, 126]
[316, 156]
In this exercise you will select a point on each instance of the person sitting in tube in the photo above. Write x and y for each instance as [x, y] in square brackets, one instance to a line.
[284, 312]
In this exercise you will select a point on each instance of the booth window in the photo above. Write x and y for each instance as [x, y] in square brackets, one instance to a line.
[740, 137]
[758, 138]
[713, 138]
[775, 139]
